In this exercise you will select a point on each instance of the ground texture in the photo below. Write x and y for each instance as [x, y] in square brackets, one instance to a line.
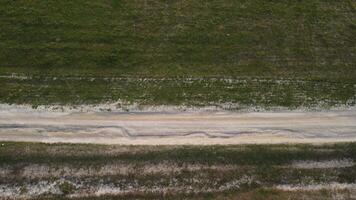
[61, 171]
[74, 64]
[252, 53]
[21, 123]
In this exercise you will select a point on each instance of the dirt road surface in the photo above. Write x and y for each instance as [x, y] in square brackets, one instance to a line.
[176, 128]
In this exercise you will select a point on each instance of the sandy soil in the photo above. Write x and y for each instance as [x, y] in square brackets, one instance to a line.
[174, 128]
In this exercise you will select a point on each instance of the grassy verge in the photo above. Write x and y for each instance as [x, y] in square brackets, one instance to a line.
[239, 155]
[238, 93]
[174, 172]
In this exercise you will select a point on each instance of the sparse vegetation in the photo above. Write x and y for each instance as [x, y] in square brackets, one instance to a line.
[240, 94]
[66, 188]
[175, 172]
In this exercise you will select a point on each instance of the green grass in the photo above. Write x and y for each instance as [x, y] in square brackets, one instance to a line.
[261, 155]
[169, 38]
[310, 40]
[239, 94]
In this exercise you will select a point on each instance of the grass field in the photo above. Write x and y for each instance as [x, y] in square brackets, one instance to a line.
[243, 53]
[310, 43]
[197, 92]
[60, 171]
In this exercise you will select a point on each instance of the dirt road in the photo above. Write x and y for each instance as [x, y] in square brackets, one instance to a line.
[198, 128]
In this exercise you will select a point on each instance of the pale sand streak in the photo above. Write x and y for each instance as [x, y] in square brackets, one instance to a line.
[198, 128]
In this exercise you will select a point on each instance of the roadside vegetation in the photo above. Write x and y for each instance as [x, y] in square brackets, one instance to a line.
[309, 43]
[77, 171]
[236, 93]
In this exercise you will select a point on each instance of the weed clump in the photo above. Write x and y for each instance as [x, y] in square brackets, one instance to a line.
[66, 188]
